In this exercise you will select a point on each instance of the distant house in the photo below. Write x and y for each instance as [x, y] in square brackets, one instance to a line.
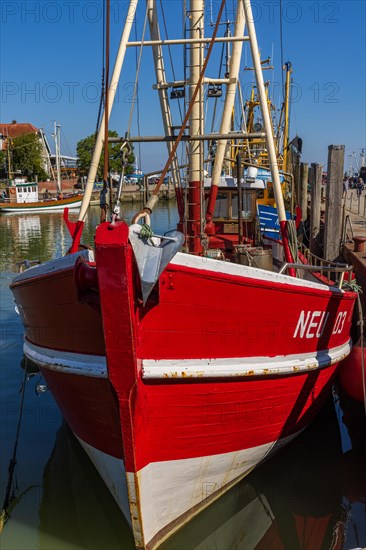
[17, 129]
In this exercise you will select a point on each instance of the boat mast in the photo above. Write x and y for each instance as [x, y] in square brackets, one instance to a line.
[111, 96]
[8, 150]
[227, 114]
[287, 67]
[268, 130]
[196, 30]
[57, 154]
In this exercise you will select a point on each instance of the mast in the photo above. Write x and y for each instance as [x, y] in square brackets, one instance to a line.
[47, 149]
[111, 96]
[8, 148]
[288, 68]
[268, 130]
[196, 30]
[227, 113]
[56, 136]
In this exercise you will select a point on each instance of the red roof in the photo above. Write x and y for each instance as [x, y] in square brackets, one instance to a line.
[17, 129]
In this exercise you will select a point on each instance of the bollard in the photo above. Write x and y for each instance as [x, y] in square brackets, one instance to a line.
[359, 244]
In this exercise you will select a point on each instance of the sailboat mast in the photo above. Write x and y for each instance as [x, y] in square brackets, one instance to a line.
[195, 174]
[57, 154]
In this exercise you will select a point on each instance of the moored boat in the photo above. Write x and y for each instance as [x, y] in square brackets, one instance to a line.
[179, 370]
[23, 197]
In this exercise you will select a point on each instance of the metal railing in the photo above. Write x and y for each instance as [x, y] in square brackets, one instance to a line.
[318, 266]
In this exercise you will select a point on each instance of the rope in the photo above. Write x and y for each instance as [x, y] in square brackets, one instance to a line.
[138, 109]
[292, 239]
[13, 461]
[102, 91]
[281, 46]
[135, 88]
[361, 325]
[146, 232]
[170, 54]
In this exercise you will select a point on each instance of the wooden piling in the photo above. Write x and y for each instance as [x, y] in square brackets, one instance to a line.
[297, 181]
[333, 202]
[315, 177]
[303, 193]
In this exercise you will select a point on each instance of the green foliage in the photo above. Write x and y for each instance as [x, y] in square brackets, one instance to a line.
[85, 147]
[26, 154]
[3, 168]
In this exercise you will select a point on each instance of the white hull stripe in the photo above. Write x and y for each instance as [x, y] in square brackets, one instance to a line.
[227, 268]
[242, 366]
[96, 366]
[66, 362]
[170, 493]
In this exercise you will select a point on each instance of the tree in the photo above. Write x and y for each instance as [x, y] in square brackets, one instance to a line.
[26, 154]
[3, 167]
[85, 147]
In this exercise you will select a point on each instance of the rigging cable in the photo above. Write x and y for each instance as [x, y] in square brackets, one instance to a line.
[9, 494]
[154, 196]
[281, 43]
[135, 88]
[170, 55]
[138, 104]
[102, 91]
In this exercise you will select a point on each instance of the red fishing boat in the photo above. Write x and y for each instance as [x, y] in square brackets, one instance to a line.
[179, 371]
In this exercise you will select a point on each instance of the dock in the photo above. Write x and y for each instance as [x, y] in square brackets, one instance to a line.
[354, 245]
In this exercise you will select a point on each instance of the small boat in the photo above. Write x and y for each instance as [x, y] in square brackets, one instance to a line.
[178, 364]
[23, 197]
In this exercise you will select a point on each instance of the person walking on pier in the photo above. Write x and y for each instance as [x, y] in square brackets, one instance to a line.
[103, 203]
[359, 186]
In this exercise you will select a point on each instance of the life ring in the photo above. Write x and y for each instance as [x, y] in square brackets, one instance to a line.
[12, 191]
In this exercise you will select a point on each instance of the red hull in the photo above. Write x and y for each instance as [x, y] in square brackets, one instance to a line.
[223, 361]
[352, 375]
[191, 420]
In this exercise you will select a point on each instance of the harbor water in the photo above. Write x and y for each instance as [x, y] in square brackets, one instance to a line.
[311, 495]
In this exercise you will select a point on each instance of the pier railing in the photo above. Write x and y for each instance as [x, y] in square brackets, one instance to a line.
[355, 203]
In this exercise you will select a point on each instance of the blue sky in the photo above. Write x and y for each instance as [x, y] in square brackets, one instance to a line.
[51, 68]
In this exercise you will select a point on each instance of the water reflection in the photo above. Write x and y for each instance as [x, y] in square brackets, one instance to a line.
[296, 500]
[76, 509]
[309, 496]
[293, 501]
[43, 237]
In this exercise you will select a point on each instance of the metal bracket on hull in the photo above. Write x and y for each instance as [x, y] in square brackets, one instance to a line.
[153, 255]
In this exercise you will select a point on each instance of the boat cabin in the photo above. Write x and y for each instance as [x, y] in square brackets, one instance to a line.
[227, 217]
[21, 192]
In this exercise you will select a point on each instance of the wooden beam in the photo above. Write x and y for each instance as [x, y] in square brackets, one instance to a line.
[315, 176]
[333, 202]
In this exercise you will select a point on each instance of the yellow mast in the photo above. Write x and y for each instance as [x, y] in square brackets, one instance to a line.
[287, 67]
